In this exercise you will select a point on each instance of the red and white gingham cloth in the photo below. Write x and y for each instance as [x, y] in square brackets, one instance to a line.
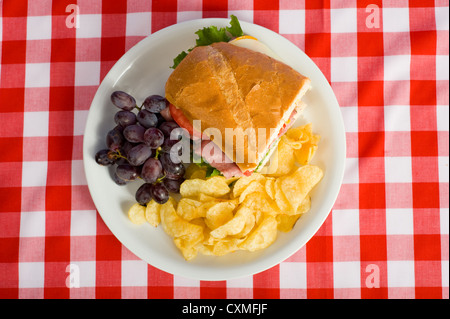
[388, 64]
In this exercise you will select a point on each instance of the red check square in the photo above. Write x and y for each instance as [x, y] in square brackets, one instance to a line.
[423, 42]
[57, 248]
[317, 4]
[108, 248]
[14, 145]
[370, 93]
[371, 144]
[57, 198]
[372, 196]
[318, 44]
[63, 50]
[424, 143]
[370, 44]
[425, 195]
[15, 9]
[13, 52]
[61, 98]
[373, 247]
[423, 92]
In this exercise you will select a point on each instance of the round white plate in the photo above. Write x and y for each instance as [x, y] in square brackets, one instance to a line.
[143, 71]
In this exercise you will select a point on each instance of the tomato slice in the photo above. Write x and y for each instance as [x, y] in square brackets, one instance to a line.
[181, 120]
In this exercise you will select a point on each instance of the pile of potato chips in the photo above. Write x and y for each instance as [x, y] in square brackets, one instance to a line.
[216, 216]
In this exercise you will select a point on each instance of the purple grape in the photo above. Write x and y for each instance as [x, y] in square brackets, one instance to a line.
[115, 139]
[173, 185]
[155, 103]
[139, 154]
[123, 100]
[144, 194]
[160, 194]
[147, 119]
[151, 170]
[118, 180]
[170, 167]
[166, 114]
[168, 127]
[153, 137]
[134, 133]
[104, 158]
[127, 172]
[125, 118]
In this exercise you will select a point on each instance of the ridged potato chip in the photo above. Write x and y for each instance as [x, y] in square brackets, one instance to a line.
[213, 186]
[152, 213]
[263, 236]
[136, 214]
[219, 214]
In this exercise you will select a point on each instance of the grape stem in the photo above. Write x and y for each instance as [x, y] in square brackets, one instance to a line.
[139, 108]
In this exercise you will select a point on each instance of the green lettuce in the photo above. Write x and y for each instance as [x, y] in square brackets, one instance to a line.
[212, 34]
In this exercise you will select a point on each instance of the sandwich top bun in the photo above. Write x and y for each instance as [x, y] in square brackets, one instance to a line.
[226, 86]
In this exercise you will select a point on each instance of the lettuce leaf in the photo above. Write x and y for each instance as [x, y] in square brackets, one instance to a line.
[212, 34]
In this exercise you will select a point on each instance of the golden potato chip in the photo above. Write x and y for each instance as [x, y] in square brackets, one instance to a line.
[281, 200]
[242, 183]
[234, 225]
[261, 237]
[285, 222]
[304, 142]
[259, 201]
[152, 213]
[188, 209]
[176, 226]
[270, 187]
[188, 250]
[226, 246]
[218, 214]
[305, 206]
[282, 160]
[136, 214]
[298, 184]
[253, 187]
[213, 186]
[250, 222]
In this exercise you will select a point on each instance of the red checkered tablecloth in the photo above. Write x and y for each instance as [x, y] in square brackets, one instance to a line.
[388, 64]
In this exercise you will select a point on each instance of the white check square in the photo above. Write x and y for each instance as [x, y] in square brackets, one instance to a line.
[345, 222]
[134, 273]
[39, 28]
[344, 69]
[34, 174]
[37, 75]
[397, 67]
[139, 24]
[31, 275]
[343, 20]
[83, 223]
[399, 221]
[35, 124]
[293, 275]
[346, 274]
[32, 224]
[398, 169]
[89, 26]
[400, 273]
[292, 22]
[87, 73]
[397, 118]
[442, 66]
[396, 19]
[442, 18]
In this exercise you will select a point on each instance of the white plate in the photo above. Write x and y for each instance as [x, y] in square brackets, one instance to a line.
[143, 71]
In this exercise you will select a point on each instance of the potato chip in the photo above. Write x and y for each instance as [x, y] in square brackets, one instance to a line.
[282, 160]
[253, 187]
[218, 214]
[176, 226]
[298, 184]
[261, 237]
[213, 186]
[234, 225]
[136, 214]
[243, 182]
[270, 187]
[188, 209]
[194, 171]
[281, 200]
[304, 142]
[152, 213]
[285, 222]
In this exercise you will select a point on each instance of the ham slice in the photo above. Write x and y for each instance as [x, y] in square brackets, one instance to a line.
[212, 154]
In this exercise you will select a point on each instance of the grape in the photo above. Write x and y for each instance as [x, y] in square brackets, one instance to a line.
[139, 154]
[144, 194]
[160, 119]
[118, 180]
[103, 157]
[155, 103]
[168, 127]
[127, 172]
[153, 137]
[134, 133]
[114, 139]
[123, 100]
[151, 170]
[160, 194]
[147, 119]
[166, 114]
[125, 118]
[170, 167]
[174, 148]
[173, 185]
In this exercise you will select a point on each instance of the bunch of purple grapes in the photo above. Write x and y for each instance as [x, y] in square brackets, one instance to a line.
[139, 147]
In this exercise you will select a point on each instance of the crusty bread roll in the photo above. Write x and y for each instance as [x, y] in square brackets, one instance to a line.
[226, 86]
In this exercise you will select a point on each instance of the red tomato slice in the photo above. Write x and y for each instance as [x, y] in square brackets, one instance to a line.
[181, 120]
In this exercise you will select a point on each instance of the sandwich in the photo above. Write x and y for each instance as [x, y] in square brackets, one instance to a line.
[227, 88]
